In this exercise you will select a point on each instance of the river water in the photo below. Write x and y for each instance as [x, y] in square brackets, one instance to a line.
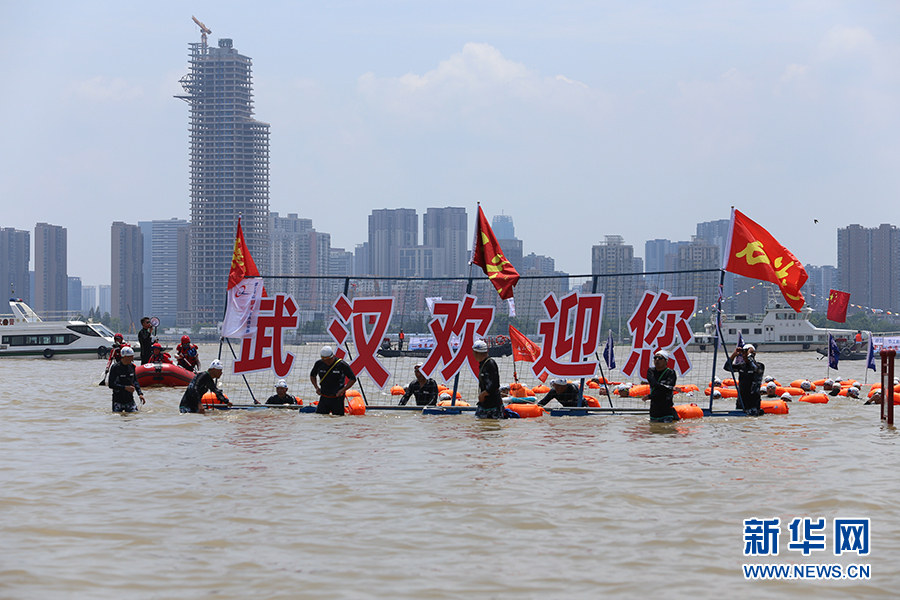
[263, 504]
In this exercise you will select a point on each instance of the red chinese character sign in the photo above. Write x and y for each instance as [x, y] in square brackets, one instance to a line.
[660, 322]
[265, 349]
[365, 321]
[584, 312]
[454, 326]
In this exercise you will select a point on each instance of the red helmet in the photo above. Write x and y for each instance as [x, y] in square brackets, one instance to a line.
[118, 336]
[156, 345]
[185, 339]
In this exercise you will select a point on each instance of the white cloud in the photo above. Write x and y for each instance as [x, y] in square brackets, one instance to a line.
[474, 85]
[842, 41]
[793, 72]
[105, 89]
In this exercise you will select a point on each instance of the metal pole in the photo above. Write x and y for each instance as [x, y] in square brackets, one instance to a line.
[712, 382]
[361, 389]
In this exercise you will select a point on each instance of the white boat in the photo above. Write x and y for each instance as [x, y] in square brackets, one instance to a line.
[24, 334]
[781, 329]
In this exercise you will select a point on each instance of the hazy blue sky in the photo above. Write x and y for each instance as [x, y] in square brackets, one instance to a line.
[579, 119]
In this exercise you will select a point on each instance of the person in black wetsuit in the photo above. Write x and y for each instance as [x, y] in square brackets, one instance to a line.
[424, 389]
[751, 373]
[335, 377]
[192, 400]
[146, 343]
[490, 404]
[281, 396]
[123, 383]
[564, 392]
[662, 385]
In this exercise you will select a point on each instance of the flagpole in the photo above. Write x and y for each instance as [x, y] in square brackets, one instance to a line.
[712, 382]
[456, 377]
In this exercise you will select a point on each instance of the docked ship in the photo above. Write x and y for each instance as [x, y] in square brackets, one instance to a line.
[780, 329]
[24, 334]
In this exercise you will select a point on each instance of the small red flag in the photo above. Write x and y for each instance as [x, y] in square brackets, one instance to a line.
[242, 265]
[837, 306]
[522, 347]
[751, 251]
[487, 254]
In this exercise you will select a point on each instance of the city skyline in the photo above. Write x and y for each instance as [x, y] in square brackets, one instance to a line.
[583, 120]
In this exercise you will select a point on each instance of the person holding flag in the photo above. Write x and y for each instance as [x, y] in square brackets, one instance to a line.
[750, 379]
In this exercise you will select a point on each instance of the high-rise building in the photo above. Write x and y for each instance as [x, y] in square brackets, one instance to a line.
[88, 298]
[821, 281]
[229, 172]
[868, 263]
[655, 255]
[126, 273]
[341, 263]
[609, 257]
[104, 298]
[390, 230]
[165, 268]
[445, 228]
[716, 232]
[51, 289]
[73, 294]
[298, 249]
[503, 227]
[699, 254]
[361, 259]
[15, 254]
[422, 261]
[540, 264]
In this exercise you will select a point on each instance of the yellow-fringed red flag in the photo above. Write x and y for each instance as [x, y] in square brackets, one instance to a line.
[751, 251]
[245, 288]
[488, 255]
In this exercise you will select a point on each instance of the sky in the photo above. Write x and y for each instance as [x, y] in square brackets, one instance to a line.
[579, 119]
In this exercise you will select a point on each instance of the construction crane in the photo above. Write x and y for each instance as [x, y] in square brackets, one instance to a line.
[203, 30]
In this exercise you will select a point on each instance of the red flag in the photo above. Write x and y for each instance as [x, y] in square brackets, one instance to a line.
[242, 265]
[837, 306]
[522, 347]
[751, 251]
[488, 255]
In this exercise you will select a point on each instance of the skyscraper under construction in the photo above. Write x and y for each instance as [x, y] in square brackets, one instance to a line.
[229, 172]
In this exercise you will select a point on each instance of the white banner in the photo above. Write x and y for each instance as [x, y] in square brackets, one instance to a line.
[242, 308]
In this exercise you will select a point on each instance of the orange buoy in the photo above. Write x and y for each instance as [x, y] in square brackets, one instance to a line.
[355, 406]
[526, 410]
[397, 390]
[593, 385]
[529, 392]
[591, 401]
[519, 392]
[450, 403]
[815, 398]
[728, 382]
[819, 382]
[354, 393]
[540, 389]
[210, 398]
[794, 391]
[689, 411]
[637, 391]
[726, 392]
[774, 407]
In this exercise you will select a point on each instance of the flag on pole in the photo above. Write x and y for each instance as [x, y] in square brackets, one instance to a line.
[834, 353]
[751, 251]
[486, 253]
[608, 354]
[245, 288]
[837, 306]
[522, 347]
[870, 354]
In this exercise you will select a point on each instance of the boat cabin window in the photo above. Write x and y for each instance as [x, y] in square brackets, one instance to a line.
[102, 329]
[83, 330]
[757, 331]
[732, 331]
[745, 330]
[39, 340]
